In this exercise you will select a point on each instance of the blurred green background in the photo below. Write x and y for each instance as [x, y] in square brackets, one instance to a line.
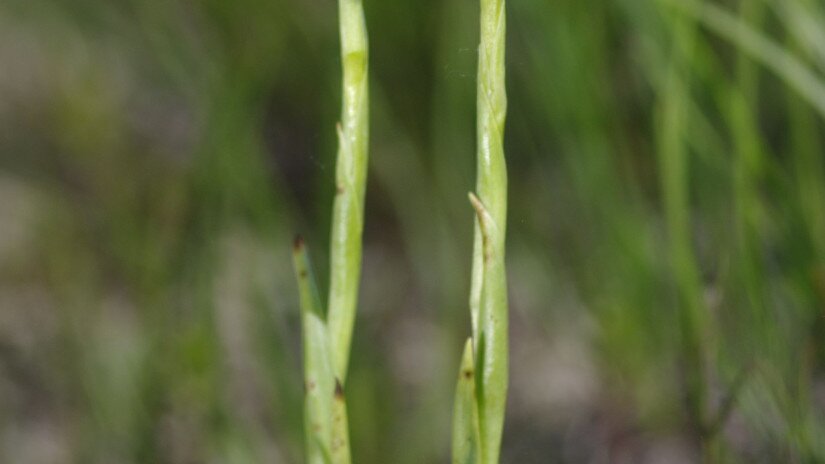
[666, 249]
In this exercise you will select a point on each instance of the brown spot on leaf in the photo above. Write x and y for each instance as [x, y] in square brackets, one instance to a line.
[339, 389]
[468, 374]
[298, 243]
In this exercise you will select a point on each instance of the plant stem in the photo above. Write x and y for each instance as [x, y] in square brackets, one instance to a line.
[488, 294]
[350, 178]
[327, 338]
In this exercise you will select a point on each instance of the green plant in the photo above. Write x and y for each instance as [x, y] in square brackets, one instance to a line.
[674, 177]
[327, 336]
[750, 294]
[481, 393]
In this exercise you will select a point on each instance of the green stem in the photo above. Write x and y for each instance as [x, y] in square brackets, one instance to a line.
[327, 338]
[488, 294]
[350, 177]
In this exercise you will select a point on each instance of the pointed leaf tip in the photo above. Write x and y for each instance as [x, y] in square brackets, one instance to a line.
[483, 215]
[465, 439]
[475, 201]
[298, 242]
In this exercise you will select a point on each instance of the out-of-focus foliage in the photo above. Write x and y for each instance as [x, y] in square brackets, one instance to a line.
[665, 159]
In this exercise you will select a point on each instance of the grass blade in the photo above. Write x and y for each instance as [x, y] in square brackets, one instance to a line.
[803, 20]
[674, 161]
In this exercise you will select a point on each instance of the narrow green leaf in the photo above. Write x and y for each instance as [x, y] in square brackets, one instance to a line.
[673, 115]
[466, 445]
[319, 379]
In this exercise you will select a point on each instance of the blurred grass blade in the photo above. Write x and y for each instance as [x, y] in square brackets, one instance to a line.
[319, 379]
[350, 178]
[761, 48]
[466, 445]
[804, 20]
[675, 184]
[748, 168]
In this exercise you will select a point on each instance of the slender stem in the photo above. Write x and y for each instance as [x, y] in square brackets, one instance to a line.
[350, 177]
[488, 294]
[327, 338]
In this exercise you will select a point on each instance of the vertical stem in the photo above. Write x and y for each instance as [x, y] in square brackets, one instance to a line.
[327, 339]
[488, 297]
[491, 181]
[350, 177]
